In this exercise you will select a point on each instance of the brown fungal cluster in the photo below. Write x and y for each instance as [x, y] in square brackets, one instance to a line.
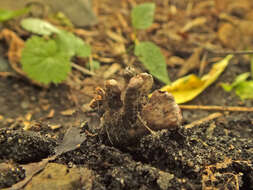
[129, 114]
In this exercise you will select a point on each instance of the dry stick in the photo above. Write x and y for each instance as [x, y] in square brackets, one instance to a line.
[231, 52]
[217, 108]
[83, 70]
[203, 120]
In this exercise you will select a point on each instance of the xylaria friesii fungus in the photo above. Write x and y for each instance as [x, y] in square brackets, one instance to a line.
[129, 114]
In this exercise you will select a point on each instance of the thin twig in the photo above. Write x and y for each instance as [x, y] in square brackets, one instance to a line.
[83, 70]
[217, 108]
[231, 52]
[203, 120]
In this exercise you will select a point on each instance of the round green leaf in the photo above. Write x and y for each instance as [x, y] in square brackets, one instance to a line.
[142, 15]
[43, 62]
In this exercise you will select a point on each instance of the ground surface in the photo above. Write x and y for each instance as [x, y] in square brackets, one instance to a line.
[212, 155]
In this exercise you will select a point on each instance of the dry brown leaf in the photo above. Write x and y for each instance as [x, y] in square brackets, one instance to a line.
[193, 23]
[221, 5]
[246, 28]
[175, 60]
[51, 113]
[7, 74]
[111, 70]
[45, 107]
[203, 64]
[28, 116]
[68, 112]
[122, 20]
[115, 36]
[27, 125]
[85, 33]
[54, 127]
[230, 36]
[16, 46]
[191, 63]
[118, 48]
[239, 8]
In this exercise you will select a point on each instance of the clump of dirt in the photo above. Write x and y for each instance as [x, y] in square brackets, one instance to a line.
[10, 174]
[24, 146]
[210, 155]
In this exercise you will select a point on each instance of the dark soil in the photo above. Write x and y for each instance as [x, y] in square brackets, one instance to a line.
[213, 155]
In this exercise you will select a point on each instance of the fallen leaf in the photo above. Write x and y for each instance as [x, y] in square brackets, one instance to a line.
[190, 86]
[111, 70]
[115, 36]
[27, 125]
[30, 170]
[175, 60]
[61, 177]
[230, 36]
[191, 63]
[68, 112]
[45, 107]
[72, 139]
[51, 113]
[28, 116]
[221, 5]
[16, 46]
[53, 127]
[38, 26]
[193, 24]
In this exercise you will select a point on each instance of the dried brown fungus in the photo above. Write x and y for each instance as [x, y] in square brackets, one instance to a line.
[128, 115]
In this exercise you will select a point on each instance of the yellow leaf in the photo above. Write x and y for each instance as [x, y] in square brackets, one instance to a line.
[187, 88]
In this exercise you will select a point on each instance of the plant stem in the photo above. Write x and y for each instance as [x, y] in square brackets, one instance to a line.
[83, 70]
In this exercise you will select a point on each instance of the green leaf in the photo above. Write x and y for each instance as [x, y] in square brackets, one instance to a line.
[94, 65]
[245, 90]
[240, 78]
[152, 58]
[251, 67]
[9, 14]
[242, 87]
[72, 44]
[227, 87]
[38, 26]
[142, 15]
[43, 61]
